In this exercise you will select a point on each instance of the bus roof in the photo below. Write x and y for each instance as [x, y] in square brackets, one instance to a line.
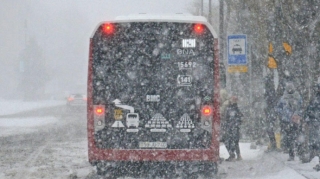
[179, 17]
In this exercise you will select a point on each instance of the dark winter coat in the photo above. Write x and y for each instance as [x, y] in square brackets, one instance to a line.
[313, 120]
[233, 122]
[289, 105]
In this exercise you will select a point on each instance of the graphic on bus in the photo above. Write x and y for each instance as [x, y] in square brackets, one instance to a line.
[132, 120]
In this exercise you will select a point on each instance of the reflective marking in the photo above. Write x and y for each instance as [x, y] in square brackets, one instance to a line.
[185, 52]
[188, 43]
[186, 65]
[153, 144]
[185, 124]
[158, 123]
[184, 80]
[153, 98]
[158, 130]
[185, 130]
[132, 130]
[117, 124]
[165, 56]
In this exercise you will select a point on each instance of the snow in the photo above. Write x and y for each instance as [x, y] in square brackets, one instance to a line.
[16, 126]
[266, 166]
[245, 152]
[8, 107]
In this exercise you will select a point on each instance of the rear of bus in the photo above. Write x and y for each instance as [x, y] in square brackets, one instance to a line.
[153, 97]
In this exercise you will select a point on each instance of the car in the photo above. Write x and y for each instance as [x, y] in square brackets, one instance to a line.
[236, 48]
[76, 102]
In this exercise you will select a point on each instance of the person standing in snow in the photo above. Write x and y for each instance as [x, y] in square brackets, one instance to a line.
[312, 116]
[271, 117]
[290, 112]
[224, 102]
[232, 126]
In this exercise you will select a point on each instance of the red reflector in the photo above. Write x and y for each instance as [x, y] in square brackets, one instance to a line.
[206, 110]
[99, 110]
[198, 28]
[108, 28]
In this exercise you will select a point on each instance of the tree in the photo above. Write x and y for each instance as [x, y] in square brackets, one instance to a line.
[34, 74]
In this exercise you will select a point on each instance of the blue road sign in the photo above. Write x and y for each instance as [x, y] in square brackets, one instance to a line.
[237, 49]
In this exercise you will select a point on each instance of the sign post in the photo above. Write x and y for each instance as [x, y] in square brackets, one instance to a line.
[237, 53]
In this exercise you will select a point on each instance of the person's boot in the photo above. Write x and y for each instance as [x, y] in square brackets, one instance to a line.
[231, 158]
[290, 159]
[271, 149]
[307, 158]
[239, 158]
[317, 167]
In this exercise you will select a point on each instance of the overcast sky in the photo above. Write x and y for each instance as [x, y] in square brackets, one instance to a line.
[63, 28]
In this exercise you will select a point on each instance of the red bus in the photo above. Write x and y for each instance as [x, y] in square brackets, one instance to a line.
[153, 97]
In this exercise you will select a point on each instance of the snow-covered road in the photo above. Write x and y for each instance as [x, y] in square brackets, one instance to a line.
[55, 146]
[44, 147]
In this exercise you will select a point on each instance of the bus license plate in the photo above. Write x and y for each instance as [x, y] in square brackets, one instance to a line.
[153, 144]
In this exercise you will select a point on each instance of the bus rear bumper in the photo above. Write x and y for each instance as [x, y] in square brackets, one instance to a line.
[153, 169]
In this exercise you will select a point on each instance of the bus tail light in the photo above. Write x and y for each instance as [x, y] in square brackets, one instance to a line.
[206, 110]
[108, 28]
[198, 28]
[99, 117]
[207, 117]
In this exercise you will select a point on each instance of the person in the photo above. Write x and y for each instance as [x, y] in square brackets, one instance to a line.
[232, 125]
[270, 113]
[312, 115]
[290, 112]
[224, 102]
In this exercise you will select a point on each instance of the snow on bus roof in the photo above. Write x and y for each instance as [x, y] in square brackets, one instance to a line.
[163, 17]
[178, 17]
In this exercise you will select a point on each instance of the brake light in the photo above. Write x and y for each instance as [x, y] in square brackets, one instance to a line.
[99, 117]
[108, 28]
[70, 99]
[206, 110]
[198, 28]
[99, 110]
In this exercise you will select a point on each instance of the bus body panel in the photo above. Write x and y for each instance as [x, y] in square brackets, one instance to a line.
[211, 153]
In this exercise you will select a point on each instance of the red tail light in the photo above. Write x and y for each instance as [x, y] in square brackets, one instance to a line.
[99, 110]
[108, 28]
[70, 99]
[206, 110]
[198, 28]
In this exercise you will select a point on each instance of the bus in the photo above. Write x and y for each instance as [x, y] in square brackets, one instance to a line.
[153, 97]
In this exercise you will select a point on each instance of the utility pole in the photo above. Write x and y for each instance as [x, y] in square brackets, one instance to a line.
[222, 69]
[201, 8]
[210, 12]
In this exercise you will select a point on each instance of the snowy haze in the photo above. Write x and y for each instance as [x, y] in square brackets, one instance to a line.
[61, 29]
